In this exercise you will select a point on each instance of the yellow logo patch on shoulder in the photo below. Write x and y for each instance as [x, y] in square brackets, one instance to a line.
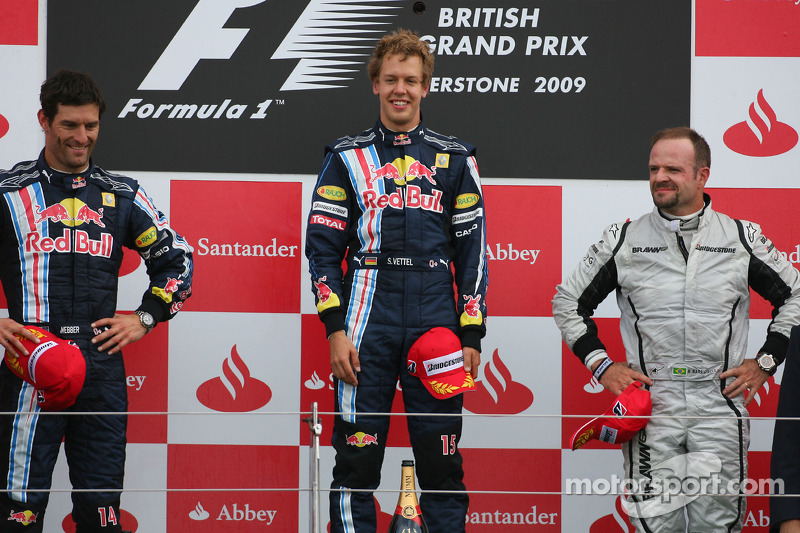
[147, 237]
[332, 192]
[466, 200]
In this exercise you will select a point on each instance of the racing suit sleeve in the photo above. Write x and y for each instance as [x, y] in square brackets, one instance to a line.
[578, 296]
[166, 254]
[468, 228]
[327, 240]
[774, 278]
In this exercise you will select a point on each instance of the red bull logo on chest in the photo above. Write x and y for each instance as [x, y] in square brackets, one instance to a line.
[412, 197]
[72, 213]
[401, 171]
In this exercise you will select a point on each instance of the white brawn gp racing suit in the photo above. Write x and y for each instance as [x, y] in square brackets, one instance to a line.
[684, 319]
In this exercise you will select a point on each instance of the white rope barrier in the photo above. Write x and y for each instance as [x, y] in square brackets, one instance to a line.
[315, 490]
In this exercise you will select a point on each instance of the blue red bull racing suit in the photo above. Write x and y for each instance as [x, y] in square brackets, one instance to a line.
[402, 209]
[61, 246]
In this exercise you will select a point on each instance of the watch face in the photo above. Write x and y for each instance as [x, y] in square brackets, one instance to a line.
[146, 319]
[766, 361]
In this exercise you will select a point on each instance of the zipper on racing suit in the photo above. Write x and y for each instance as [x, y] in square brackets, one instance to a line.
[682, 247]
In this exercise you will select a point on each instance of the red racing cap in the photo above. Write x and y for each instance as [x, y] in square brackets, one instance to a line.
[436, 359]
[617, 425]
[55, 367]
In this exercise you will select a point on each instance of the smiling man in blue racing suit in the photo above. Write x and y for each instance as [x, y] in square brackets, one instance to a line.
[63, 224]
[402, 205]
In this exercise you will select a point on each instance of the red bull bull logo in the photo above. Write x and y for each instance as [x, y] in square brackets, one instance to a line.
[327, 298]
[473, 306]
[87, 214]
[386, 172]
[172, 285]
[25, 518]
[71, 212]
[401, 172]
[55, 213]
[361, 439]
[418, 170]
[323, 291]
[166, 293]
[472, 311]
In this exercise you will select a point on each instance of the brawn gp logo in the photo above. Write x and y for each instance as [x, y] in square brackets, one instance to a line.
[648, 249]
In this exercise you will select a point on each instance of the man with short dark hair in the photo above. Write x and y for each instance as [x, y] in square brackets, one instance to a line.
[682, 276]
[402, 205]
[63, 224]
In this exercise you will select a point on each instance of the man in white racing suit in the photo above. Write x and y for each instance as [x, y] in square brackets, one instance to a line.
[682, 276]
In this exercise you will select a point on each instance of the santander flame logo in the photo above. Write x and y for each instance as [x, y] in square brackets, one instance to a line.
[314, 382]
[761, 135]
[616, 522]
[497, 392]
[199, 513]
[235, 391]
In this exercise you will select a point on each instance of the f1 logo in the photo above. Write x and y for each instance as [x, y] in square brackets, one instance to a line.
[201, 37]
[323, 62]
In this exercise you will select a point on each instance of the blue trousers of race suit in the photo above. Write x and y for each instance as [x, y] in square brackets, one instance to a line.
[434, 440]
[94, 446]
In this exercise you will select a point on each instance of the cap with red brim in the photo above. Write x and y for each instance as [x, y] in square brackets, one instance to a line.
[626, 416]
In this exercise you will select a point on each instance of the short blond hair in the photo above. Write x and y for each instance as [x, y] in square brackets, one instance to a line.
[405, 43]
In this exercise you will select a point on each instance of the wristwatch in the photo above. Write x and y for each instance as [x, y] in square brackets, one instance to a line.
[766, 363]
[147, 320]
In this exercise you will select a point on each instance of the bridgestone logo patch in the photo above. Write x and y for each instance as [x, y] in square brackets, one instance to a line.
[716, 249]
[444, 363]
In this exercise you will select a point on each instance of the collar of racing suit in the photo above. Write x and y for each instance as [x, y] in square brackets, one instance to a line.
[399, 138]
[686, 223]
[57, 177]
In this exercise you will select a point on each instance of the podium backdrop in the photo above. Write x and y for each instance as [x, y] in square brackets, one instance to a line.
[221, 109]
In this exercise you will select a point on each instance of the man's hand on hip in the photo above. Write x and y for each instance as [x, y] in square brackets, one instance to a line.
[122, 330]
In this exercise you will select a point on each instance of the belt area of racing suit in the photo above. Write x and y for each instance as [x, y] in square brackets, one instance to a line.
[684, 371]
[395, 261]
[69, 330]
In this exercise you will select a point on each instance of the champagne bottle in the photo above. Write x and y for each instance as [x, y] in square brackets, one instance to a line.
[407, 517]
